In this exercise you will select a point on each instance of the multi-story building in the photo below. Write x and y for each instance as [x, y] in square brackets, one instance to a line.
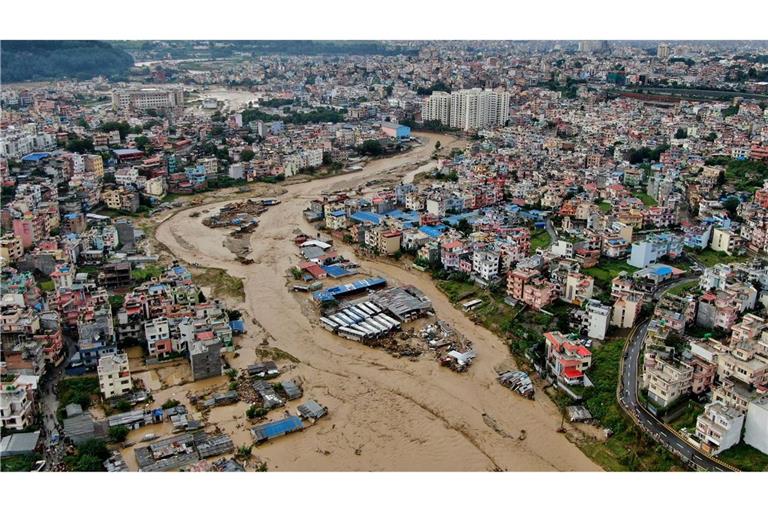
[11, 248]
[566, 360]
[475, 109]
[756, 425]
[667, 381]
[596, 319]
[626, 309]
[437, 107]
[655, 247]
[16, 404]
[143, 99]
[158, 336]
[205, 358]
[719, 427]
[114, 375]
[578, 288]
[725, 240]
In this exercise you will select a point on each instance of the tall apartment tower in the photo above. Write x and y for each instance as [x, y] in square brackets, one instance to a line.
[662, 51]
[475, 109]
[437, 108]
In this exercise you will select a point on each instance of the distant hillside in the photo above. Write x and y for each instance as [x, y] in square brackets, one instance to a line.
[52, 60]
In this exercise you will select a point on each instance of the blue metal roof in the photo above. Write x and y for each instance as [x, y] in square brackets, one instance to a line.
[370, 217]
[335, 270]
[35, 157]
[330, 293]
[277, 428]
[432, 231]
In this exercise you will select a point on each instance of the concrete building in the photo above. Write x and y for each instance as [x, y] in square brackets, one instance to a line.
[566, 360]
[725, 240]
[16, 405]
[662, 51]
[578, 288]
[157, 334]
[597, 317]
[626, 309]
[668, 381]
[719, 427]
[205, 358]
[114, 375]
[655, 247]
[143, 99]
[756, 425]
[475, 109]
[437, 107]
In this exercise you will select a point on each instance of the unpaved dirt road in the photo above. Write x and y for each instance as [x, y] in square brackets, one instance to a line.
[385, 414]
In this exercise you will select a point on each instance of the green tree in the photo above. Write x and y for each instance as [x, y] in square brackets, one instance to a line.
[371, 147]
[142, 143]
[681, 133]
[731, 204]
[247, 155]
[118, 433]
[464, 226]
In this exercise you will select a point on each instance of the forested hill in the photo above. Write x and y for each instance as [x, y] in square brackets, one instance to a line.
[52, 60]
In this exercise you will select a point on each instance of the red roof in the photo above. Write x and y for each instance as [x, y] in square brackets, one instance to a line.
[573, 373]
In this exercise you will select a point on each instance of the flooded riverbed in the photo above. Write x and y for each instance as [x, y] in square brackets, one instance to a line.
[384, 413]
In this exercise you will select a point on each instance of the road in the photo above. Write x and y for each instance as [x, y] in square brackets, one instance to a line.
[49, 404]
[630, 403]
[552, 232]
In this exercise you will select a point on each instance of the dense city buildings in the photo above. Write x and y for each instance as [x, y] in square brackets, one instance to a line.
[592, 210]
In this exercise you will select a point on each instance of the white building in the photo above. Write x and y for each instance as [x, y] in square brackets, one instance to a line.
[114, 375]
[142, 99]
[474, 109]
[467, 109]
[562, 248]
[437, 108]
[486, 265]
[598, 316]
[756, 426]
[16, 411]
[126, 176]
[155, 331]
[719, 427]
[653, 248]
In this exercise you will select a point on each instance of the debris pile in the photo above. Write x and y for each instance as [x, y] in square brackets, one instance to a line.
[518, 381]
[242, 214]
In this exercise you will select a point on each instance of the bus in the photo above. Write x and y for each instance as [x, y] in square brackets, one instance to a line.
[469, 306]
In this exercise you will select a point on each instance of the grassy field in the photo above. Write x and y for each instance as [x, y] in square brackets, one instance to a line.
[221, 283]
[682, 288]
[18, 463]
[605, 207]
[645, 198]
[46, 286]
[688, 419]
[457, 290]
[745, 458]
[606, 270]
[709, 258]
[540, 238]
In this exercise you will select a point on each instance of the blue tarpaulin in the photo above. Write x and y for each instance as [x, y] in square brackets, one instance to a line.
[277, 428]
[335, 270]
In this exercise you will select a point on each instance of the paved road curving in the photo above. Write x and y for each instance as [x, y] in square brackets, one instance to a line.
[628, 399]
